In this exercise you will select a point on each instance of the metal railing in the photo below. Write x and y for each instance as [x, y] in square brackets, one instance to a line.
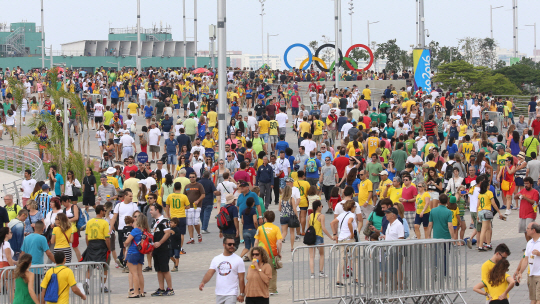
[432, 270]
[95, 294]
[521, 103]
[16, 161]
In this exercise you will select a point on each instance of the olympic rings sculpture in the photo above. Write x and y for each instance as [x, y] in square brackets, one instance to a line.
[306, 63]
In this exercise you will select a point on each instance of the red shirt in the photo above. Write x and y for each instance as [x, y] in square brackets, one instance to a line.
[242, 175]
[409, 193]
[536, 127]
[362, 105]
[128, 169]
[367, 122]
[430, 128]
[340, 163]
[294, 101]
[526, 209]
[251, 172]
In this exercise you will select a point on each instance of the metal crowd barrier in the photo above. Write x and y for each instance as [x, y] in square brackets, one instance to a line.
[16, 160]
[95, 291]
[431, 270]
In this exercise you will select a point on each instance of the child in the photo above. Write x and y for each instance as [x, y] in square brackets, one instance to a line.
[334, 199]
[456, 219]
[461, 202]
[175, 243]
[312, 196]
[126, 231]
[257, 190]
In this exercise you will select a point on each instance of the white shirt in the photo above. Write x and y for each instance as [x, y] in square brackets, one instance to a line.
[309, 145]
[153, 136]
[252, 123]
[197, 148]
[142, 93]
[98, 110]
[227, 187]
[416, 159]
[2, 253]
[343, 226]
[127, 141]
[227, 268]
[473, 199]
[128, 123]
[345, 129]
[420, 142]
[339, 208]
[475, 111]
[123, 210]
[394, 231]
[285, 165]
[281, 119]
[28, 187]
[150, 181]
[534, 261]
[197, 168]
[69, 185]
[469, 103]
[277, 168]
[102, 135]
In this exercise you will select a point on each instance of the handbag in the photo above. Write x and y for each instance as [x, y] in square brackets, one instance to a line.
[76, 190]
[505, 185]
[276, 261]
[133, 128]
[294, 222]
[367, 231]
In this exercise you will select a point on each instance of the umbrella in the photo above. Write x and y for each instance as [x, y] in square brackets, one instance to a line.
[200, 70]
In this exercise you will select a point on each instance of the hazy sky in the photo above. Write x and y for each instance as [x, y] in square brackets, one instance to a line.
[296, 21]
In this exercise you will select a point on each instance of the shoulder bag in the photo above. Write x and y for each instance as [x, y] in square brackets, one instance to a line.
[75, 190]
[276, 261]
[294, 222]
[367, 231]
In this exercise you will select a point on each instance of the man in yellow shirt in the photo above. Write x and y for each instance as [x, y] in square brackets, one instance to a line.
[271, 240]
[98, 241]
[65, 278]
[274, 134]
[264, 126]
[212, 119]
[133, 109]
[408, 104]
[365, 192]
[393, 192]
[382, 185]
[318, 130]
[177, 203]
[367, 94]
[304, 127]
[208, 142]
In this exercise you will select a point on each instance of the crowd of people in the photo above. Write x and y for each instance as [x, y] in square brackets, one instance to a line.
[385, 165]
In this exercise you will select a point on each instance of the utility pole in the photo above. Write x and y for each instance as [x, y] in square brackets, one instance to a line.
[268, 47]
[139, 69]
[262, 30]
[42, 39]
[491, 8]
[417, 25]
[515, 25]
[222, 72]
[339, 23]
[212, 31]
[336, 55]
[185, 45]
[421, 26]
[195, 30]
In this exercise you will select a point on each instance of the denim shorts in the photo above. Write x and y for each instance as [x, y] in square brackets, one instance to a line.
[319, 240]
[249, 237]
[482, 215]
[175, 253]
[284, 220]
[282, 183]
[424, 220]
[171, 159]
[135, 258]
[294, 111]
[265, 137]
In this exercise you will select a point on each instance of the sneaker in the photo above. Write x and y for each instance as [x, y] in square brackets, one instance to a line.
[192, 241]
[471, 226]
[199, 238]
[147, 269]
[296, 238]
[158, 293]
[246, 259]
[469, 243]
[125, 270]
[182, 251]
[116, 265]
[105, 289]
[274, 293]
[322, 275]
[502, 207]
[86, 288]
[329, 211]
[117, 261]
[169, 292]
[175, 269]
[205, 232]
[339, 285]
[312, 276]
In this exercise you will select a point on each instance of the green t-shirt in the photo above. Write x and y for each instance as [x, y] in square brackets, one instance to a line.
[531, 144]
[374, 168]
[409, 143]
[160, 105]
[399, 157]
[190, 126]
[382, 118]
[374, 117]
[107, 116]
[440, 217]
[73, 114]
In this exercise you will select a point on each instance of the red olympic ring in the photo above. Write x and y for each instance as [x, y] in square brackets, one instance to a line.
[370, 57]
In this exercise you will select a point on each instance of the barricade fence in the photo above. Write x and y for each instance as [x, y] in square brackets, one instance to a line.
[432, 270]
[16, 161]
[94, 293]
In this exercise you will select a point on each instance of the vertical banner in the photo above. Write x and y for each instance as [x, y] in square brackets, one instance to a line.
[422, 69]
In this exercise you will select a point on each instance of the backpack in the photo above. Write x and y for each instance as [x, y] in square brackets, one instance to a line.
[224, 219]
[51, 293]
[449, 171]
[83, 218]
[146, 244]
[192, 106]
[311, 165]
[310, 237]
[143, 141]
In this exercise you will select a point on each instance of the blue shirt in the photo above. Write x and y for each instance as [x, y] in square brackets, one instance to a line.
[452, 149]
[114, 92]
[233, 212]
[202, 130]
[170, 146]
[265, 174]
[137, 235]
[241, 201]
[59, 182]
[281, 146]
[148, 111]
[248, 219]
[166, 124]
[209, 189]
[184, 140]
[248, 93]
[234, 110]
[327, 154]
[312, 174]
[36, 245]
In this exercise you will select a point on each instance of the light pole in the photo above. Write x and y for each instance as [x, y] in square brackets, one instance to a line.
[336, 44]
[515, 25]
[339, 24]
[268, 46]
[534, 39]
[421, 25]
[42, 39]
[491, 8]
[212, 31]
[368, 37]
[184, 19]
[195, 31]
[66, 130]
[351, 12]
[138, 63]
[222, 71]
[262, 30]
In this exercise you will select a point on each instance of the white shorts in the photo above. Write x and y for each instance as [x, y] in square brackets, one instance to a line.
[193, 216]
[142, 102]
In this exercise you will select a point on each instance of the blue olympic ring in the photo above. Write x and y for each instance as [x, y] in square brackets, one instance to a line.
[310, 56]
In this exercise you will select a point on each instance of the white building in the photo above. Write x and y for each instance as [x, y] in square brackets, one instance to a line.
[505, 54]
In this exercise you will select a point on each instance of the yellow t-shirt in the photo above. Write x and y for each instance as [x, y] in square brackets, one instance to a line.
[133, 108]
[273, 233]
[316, 224]
[509, 105]
[394, 194]
[294, 176]
[133, 184]
[467, 148]
[212, 119]
[421, 202]
[215, 133]
[382, 186]
[363, 192]
[501, 159]
[208, 143]
[495, 291]
[318, 127]
[455, 214]
[303, 186]
[305, 127]
[462, 130]
[66, 279]
[61, 240]
[264, 125]
[122, 93]
[367, 94]
[273, 127]
[372, 144]
[97, 229]
[177, 203]
[113, 181]
[408, 104]
[182, 180]
[484, 201]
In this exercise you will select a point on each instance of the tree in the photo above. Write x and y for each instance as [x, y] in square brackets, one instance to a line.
[470, 49]
[392, 53]
[488, 56]
[357, 55]
[521, 73]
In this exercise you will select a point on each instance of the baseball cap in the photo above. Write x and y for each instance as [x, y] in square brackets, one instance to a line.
[491, 123]
[383, 173]
[289, 180]
[44, 187]
[391, 210]
[243, 184]
[192, 114]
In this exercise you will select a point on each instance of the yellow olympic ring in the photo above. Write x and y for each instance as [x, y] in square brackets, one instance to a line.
[316, 59]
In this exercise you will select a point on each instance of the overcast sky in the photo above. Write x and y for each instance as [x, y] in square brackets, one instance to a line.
[296, 21]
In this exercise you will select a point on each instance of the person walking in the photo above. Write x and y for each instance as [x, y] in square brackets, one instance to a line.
[65, 278]
[317, 221]
[258, 277]
[265, 180]
[162, 232]
[195, 194]
[287, 209]
[270, 236]
[230, 285]
[62, 236]
[249, 227]
[121, 210]
[98, 245]
[345, 233]
[134, 258]
[24, 282]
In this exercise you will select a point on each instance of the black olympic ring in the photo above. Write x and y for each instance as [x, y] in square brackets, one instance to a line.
[325, 46]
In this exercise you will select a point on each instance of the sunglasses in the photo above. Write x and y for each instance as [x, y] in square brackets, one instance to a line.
[229, 244]
[255, 254]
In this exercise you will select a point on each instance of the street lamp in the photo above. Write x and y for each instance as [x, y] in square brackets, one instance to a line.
[43, 54]
[491, 8]
[368, 38]
[262, 30]
[534, 39]
[351, 12]
[42, 39]
[268, 46]
[138, 61]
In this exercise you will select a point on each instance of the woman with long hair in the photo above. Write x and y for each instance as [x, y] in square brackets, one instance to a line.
[134, 258]
[141, 196]
[498, 285]
[62, 236]
[231, 128]
[249, 225]
[434, 186]
[287, 209]
[167, 187]
[24, 282]
[316, 219]
[258, 277]
[353, 181]
[71, 182]
[50, 219]
[423, 208]
[506, 176]
[37, 190]
[34, 215]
